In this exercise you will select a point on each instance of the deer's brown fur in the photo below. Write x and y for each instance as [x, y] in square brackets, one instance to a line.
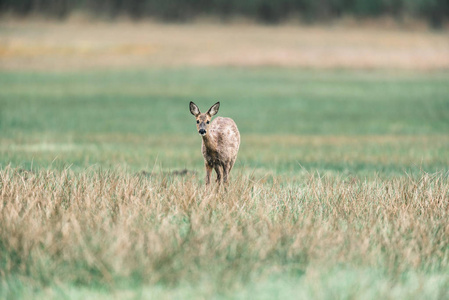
[221, 141]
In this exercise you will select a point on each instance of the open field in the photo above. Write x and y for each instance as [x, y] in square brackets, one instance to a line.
[49, 46]
[329, 197]
[291, 121]
[340, 190]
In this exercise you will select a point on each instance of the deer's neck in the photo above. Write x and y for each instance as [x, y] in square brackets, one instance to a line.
[209, 142]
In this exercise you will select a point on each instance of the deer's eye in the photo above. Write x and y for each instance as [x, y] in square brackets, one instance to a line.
[197, 122]
[207, 122]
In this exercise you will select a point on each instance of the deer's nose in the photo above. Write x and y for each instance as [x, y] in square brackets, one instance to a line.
[202, 131]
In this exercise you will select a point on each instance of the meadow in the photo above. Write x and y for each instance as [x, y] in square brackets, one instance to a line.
[340, 189]
[291, 120]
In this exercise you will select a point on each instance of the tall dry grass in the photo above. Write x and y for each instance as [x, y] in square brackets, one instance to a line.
[112, 227]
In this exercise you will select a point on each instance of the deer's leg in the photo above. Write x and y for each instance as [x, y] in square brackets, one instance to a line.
[225, 172]
[231, 164]
[208, 172]
[218, 170]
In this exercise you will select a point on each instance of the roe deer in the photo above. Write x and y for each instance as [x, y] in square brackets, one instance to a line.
[221, 141]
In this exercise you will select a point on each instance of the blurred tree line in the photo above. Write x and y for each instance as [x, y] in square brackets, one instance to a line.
[266, 11]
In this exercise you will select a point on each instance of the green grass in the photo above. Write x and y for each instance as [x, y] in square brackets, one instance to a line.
[357, 122]
[341, 283]
[330, 196]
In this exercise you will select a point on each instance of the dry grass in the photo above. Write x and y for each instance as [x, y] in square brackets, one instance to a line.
[67, 46]
[108, 228]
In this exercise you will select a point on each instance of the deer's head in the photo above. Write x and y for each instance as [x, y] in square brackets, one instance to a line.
[203, 120]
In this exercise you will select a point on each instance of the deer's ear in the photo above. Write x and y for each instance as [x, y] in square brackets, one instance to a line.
[194, 110]
[214, 109]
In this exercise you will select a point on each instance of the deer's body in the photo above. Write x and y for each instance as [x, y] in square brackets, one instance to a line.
[221, 141]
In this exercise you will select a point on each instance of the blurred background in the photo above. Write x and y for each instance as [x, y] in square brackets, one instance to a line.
[335, 86]
[435, 12]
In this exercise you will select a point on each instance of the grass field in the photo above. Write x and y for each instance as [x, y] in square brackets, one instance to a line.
[291, 121]
[340, 189]
[44, 46]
